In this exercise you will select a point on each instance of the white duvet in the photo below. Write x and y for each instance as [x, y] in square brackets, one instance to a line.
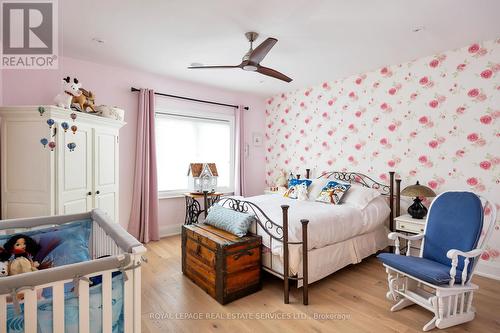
[328, 224]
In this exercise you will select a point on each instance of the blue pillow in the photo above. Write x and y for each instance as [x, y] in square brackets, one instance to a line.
[333, 192]
[60, 245]
[295, 181]
[229, 220]
[293, 185]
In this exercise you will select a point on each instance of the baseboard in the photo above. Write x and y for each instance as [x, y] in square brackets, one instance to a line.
[170, 230]
[488, 270]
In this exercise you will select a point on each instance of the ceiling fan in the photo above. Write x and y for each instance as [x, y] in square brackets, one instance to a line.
[251, 60]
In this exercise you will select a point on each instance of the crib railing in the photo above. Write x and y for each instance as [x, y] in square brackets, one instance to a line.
[111, 249]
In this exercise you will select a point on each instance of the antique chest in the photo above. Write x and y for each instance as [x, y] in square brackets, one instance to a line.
[225, 266]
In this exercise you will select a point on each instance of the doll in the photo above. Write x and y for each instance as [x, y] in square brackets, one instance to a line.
[22, 249]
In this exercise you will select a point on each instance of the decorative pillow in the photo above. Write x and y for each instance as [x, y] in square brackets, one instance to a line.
[229, 220]
[333, 192]
[292, 187]
[360, 196]
[316, 187]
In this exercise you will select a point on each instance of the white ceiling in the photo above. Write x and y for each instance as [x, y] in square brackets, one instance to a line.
[318, 40]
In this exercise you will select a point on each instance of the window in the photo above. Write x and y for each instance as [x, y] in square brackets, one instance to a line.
[185, 137]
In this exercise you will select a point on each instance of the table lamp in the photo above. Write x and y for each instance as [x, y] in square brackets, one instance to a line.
[417, 210]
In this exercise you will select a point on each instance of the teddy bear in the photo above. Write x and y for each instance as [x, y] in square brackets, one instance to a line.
[21, 249]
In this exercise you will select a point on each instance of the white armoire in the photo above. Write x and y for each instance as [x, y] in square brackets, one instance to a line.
[38, 181]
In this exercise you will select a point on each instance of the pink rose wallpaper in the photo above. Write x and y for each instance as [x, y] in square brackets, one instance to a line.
[435, 119]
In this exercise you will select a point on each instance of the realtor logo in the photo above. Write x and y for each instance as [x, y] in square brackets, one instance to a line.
[29, 35]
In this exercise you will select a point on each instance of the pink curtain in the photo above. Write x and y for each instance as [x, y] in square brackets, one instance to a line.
[239, 156]
[143, 222]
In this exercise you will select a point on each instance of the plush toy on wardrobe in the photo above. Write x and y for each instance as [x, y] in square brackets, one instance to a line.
[70, 89]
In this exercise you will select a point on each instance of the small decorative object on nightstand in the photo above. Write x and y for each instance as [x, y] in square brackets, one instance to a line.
[417, 210]
[410, 226]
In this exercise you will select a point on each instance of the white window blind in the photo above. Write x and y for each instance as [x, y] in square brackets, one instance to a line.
[198, 136]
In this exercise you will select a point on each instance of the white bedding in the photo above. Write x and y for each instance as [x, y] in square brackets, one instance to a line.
[328, 224]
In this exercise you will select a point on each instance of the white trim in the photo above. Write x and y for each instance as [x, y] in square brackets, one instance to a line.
[180, 194]
[488, 270]
[170, 230]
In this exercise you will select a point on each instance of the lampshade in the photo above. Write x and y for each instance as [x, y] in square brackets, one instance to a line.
[418, 190]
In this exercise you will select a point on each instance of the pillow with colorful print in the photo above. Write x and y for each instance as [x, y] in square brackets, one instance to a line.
[333, 192]
[293, 187]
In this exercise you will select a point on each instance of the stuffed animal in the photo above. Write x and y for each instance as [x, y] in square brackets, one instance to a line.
[70, 90]
[281, 179]
[22, 249]
[85, 100]
[4, 268]
[301, 191]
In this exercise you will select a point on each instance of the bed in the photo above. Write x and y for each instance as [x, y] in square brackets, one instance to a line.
[93, 283]
[305, 241]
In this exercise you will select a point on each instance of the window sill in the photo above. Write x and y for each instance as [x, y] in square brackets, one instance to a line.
[174, 195]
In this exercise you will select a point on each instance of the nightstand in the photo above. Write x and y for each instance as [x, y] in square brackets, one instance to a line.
[409, 226]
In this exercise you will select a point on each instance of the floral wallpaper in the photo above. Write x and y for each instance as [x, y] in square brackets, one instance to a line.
[435, 119]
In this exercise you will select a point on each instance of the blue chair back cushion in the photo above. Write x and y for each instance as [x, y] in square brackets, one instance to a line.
[455, 221]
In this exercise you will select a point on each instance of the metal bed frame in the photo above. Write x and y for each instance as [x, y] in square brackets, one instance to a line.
[279, 233]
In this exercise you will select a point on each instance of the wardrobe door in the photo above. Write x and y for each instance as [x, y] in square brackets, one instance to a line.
[74, 179]
[106, 171]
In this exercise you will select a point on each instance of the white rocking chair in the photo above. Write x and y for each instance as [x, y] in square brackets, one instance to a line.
[440, 278]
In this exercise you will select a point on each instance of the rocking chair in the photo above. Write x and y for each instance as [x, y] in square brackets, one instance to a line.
[440, 278]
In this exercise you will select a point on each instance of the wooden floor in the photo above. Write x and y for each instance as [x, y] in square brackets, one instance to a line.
[350, 300]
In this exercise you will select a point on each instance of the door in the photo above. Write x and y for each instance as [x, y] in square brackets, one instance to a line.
[75, 170]
[106, 171]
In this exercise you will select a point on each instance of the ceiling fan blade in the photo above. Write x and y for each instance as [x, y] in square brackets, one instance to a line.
[273, 73]
[208, 67]
[262, 50]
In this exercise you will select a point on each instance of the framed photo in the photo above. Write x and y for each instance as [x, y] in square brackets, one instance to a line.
[257, 139]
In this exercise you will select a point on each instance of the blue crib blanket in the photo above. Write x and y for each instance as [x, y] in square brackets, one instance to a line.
[15, 322]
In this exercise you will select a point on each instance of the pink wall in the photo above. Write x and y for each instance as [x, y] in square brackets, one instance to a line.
[111, 86]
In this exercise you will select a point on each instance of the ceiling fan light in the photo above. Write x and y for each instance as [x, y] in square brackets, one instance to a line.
[251, 68]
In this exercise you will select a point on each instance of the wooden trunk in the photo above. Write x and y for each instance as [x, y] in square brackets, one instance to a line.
[225, 266]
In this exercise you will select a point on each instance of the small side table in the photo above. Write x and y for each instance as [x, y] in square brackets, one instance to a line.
[193, 207]
[410, 226]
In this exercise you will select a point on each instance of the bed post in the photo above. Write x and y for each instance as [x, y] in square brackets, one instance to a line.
[305, 271]
[391, 199]
[398, 197]
[308, 173]
[286, 288]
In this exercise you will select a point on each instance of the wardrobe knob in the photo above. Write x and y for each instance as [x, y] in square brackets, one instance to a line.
[97, 192]
[89, 193]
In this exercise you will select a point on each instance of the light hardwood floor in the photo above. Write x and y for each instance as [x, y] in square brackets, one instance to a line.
[356, 291]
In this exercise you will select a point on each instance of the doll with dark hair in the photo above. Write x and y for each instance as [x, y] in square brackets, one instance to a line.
[21, 250]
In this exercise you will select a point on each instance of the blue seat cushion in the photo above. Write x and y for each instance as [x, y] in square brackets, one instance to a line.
[420, 268]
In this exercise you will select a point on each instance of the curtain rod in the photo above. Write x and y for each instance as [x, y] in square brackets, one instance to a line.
[193, 99]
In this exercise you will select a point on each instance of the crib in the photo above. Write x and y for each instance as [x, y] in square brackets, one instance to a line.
[116, 259]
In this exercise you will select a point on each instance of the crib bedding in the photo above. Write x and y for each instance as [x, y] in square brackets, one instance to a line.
[328, 223]
[15, 322]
